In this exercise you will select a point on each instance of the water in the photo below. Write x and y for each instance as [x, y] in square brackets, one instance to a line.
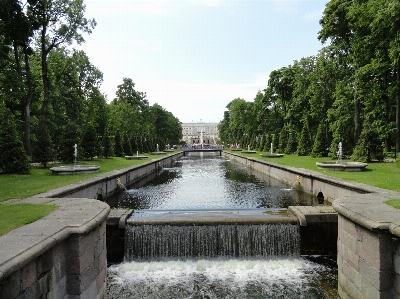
[257, 261]
[210, 182]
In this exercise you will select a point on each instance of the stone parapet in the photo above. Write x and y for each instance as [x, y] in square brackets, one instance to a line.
[62, 255]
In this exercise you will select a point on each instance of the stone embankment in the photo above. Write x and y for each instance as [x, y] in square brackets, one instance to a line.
[64, 254]
[368, 230]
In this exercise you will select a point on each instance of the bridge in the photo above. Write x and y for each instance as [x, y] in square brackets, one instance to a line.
[202, 150]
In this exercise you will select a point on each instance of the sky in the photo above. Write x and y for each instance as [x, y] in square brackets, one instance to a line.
[193, 57]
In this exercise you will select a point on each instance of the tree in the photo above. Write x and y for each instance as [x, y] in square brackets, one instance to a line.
[13, 158]
[304, 147]
[71, 136]
[90, 143]
[43, 147]
[18, 29]
[118, 149]
[61, 22]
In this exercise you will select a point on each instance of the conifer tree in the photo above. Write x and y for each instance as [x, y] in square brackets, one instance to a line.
[13, 158]
[90, 143]
[304, 146]
[118, 149]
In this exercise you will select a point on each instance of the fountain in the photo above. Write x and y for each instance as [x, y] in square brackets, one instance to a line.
[339, 165]
[271, 154]
[158, 152]
[168, 149]
[248, 151]
[75, 169]
[137, 157]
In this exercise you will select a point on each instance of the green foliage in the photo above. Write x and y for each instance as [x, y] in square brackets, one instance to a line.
[107, 146]
[13, 158]
[71, 136]
[320, 143]
[369, 146]
[304, 147]
[90, 143]
[43, 151]
[126, 145]
[118, 148]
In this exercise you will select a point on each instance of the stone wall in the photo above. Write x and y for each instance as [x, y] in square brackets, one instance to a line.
[366, 262]
[368, 230]
[62, 255]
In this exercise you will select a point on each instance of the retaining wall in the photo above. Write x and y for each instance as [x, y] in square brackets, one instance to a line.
[64, 254]
[107, 184]
[368, 230]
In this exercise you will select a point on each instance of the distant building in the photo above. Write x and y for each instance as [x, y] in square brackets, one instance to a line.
[191, 132]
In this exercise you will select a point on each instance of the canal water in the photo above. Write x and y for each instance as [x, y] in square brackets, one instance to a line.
[212, 182]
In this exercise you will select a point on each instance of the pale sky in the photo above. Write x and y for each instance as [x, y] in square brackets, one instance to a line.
[193, 57]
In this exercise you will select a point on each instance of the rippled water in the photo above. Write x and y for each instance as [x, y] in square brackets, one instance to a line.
[215, 183]
[210, 182]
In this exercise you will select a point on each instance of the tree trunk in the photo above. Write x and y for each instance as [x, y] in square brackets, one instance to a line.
[398, 108]
[387, 111]
[27, 106]
[357, 112]
[45, 79]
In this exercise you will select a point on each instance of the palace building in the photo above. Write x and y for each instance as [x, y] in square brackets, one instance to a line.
[200, 132]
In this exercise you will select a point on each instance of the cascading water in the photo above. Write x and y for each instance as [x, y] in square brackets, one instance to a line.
[155, 242]
[215, 261]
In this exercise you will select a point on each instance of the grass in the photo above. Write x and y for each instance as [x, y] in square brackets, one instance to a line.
[379, 174]
[14, 216]
[41, 179]
[395, 203]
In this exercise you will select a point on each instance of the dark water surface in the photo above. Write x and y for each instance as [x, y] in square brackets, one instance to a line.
[209, 182]
[212, 182]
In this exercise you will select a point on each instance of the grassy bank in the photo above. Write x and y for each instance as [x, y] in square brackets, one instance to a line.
[41, 179]
[379, 174]
[13, 216]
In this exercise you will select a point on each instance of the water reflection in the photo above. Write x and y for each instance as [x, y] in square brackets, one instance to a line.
[209, 183]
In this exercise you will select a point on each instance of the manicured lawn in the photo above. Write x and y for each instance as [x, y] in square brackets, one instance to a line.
[13, 216]
[379, 174]
[40, 180]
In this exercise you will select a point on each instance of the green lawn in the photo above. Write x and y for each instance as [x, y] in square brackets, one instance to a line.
[13, 216]
[379, 174]
[40, 180]
[383, 175]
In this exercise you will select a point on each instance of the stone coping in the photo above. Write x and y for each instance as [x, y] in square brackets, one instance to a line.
[23, 244]
[211, 217]
[370, 211]
[313, 214]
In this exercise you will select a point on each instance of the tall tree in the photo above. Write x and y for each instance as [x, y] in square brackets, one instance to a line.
[61, 22]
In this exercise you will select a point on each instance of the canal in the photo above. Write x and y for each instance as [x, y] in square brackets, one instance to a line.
[210, 182]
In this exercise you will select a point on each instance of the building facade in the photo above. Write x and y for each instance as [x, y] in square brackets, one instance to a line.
[196, 133]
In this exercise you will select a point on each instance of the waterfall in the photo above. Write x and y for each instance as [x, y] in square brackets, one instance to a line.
[156, 242]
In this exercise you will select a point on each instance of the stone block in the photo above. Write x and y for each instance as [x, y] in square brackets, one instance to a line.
[348, 287]
[347, 225]
[350, 273]
[348, 255]
[101, 279]
[44, 263]
[380, 280]
[11, 286]
[78, 283]
[347, 239]
[372, 256]
[28, 275]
